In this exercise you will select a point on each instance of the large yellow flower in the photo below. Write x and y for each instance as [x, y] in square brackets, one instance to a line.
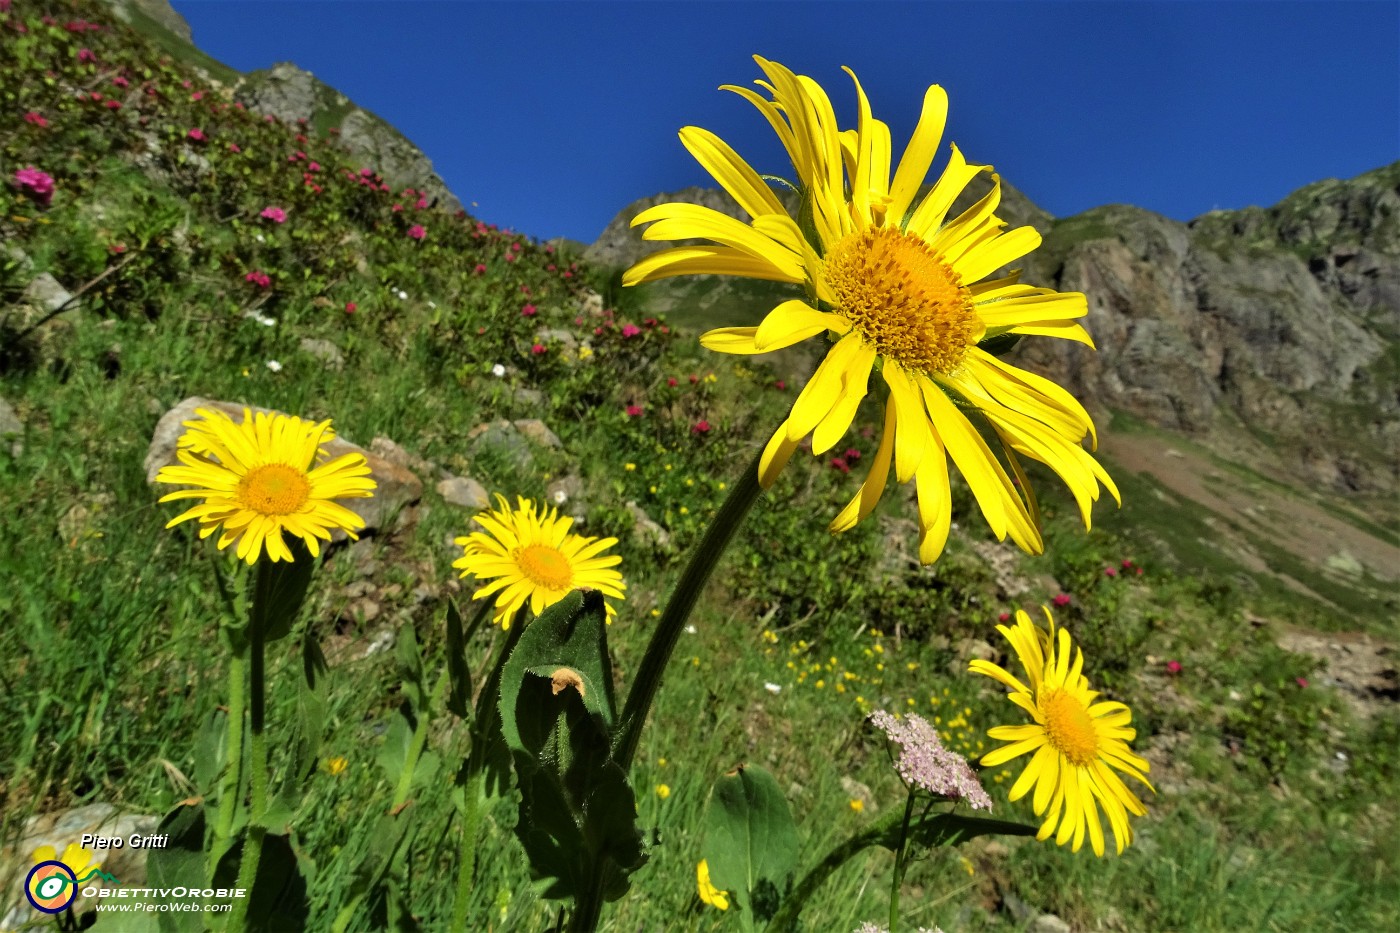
[258, 479]
[1078, 743]
[899, 289]
[530, 557]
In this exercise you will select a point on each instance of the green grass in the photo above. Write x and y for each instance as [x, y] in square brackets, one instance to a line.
[111, 662]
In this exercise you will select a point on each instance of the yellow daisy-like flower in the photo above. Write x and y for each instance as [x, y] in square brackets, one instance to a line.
[530, 557]
[708, 892]
[74, 856]
[899, 289]
[1078, 743]
[258, 478]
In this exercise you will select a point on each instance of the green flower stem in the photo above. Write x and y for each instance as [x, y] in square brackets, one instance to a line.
[233, 766]
[683, 598]
[900, 862]
[420, 738]
[466, 867]
[257, 748]
[880, 834]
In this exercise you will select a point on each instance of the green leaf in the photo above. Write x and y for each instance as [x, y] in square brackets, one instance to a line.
[209, 750]
[279, 590]
[953, 828]
[311, 708]
[459, 672]
[998, 343]
[393, 755]
[278, 899]
[410, 669]
[179, 864]
[577, 813]
[750, 841]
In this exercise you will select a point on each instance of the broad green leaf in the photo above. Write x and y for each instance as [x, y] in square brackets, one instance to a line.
[278, 898]
[577, 813]
[311, 708]
[750, 841]
[278, 591]
[180, 863]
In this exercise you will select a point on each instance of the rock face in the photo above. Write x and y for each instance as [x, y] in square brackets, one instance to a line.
[398, 487]
[289, 93]
[1272, 330]
[159, 10]
[1266, 332]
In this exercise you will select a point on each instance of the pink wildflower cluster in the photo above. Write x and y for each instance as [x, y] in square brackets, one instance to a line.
[197, 135]
[35, 118]
[1061, 600]
[924, 762]
[700, 427]
[275, 214]
[417, 232]
[258, 278]
[38, 185]
[529, 311]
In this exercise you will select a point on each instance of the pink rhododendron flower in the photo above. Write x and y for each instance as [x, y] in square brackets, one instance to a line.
[85, 55]
[417, 232]
[1127, 562]
[274, 214]
[1301, 681]
[1110, 571]
[120, 81]
[38, 185]
[421, 203]
[349, 307]
[633, 411]
[529, 311]
[630, 330]
[839, 464]
[671, 381]
[1173, 667]
[851, 454]
[515, 247]
[700, 427]
[35, 118]
[537, 349]
[314, 167]
[1061, 600]
[396, 208]
[480, 268]
[113, 105]
[197, 135]
[197, 96]
[258, 278]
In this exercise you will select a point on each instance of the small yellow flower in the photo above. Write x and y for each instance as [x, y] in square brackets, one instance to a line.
[661, 762]
[685, 510]
[722, 486]
[656, 613]
[857, 806]
[584, 352]
[708, 892]
[336, 765]
[653, 490]
[629, 467]
[967, 865]
[663, 791]
[689, 481]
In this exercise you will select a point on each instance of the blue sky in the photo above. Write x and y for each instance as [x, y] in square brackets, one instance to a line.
[553, 116]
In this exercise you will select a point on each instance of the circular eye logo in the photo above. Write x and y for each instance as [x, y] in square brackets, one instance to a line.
[51, 886]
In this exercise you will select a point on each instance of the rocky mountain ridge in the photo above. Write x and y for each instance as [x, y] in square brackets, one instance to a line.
[1271, 333]
[290, 94]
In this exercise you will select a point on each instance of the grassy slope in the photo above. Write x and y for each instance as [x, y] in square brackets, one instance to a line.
[107, 630]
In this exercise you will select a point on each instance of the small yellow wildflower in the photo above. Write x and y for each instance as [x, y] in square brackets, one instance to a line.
[336, 766]
[708, 892]
[857, 806]
[663, 791]
[629, 467]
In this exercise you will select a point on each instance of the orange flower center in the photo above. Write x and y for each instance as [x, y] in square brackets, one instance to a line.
[545, 566]
[1069, 726]
[274, 489]
[903, 298]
